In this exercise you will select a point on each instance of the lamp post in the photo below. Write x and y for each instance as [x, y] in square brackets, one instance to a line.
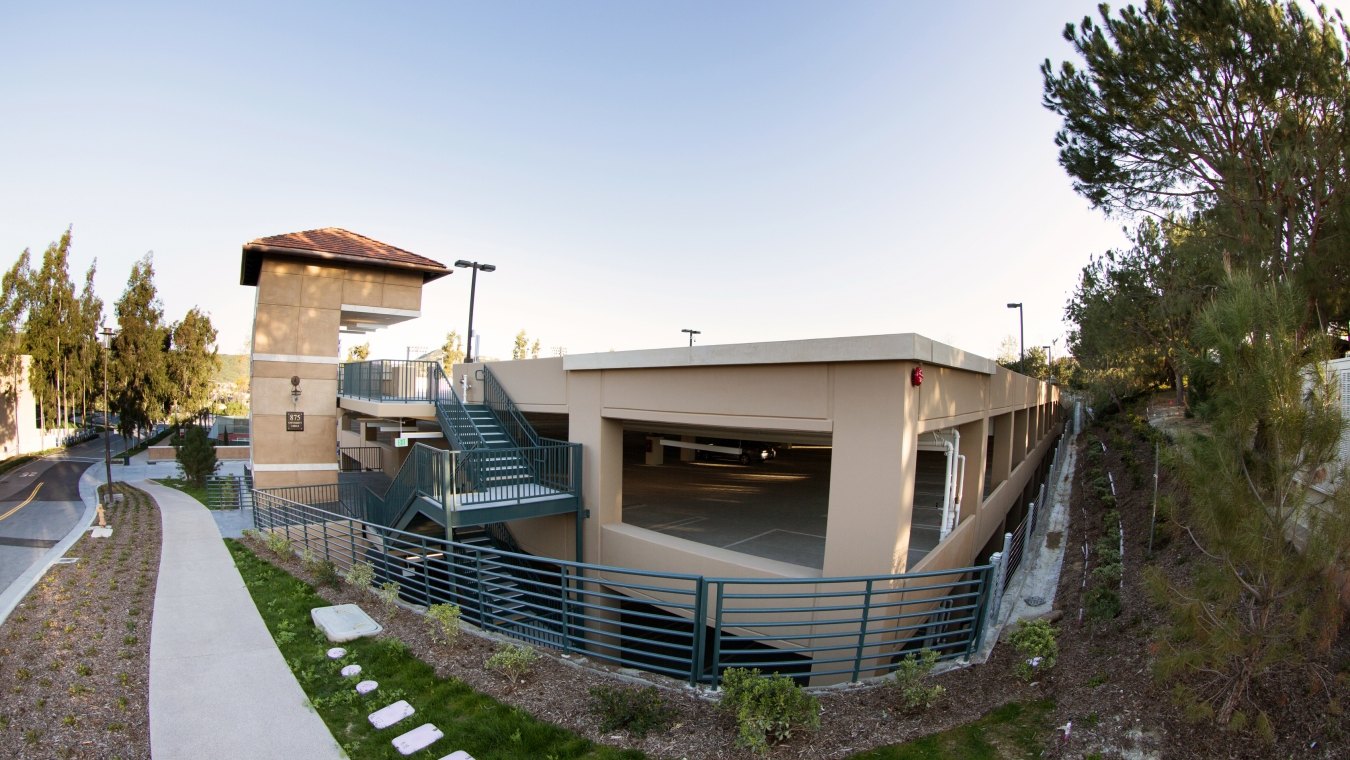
[692, 333]
[107, 431]
[473, 289]
[1021, 339]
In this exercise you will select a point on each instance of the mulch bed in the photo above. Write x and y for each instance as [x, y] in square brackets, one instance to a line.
[75, 654]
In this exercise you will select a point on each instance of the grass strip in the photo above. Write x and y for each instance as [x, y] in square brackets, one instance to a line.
[471, 721]
[1015, 730]
[186, 486]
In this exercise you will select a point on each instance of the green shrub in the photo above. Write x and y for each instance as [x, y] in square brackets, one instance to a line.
[360, 575]
[914, 695]
[444, 619]
[767, 708]
[513, 661]
[1102, 603]
[388, 594]
[196, 455]
[1036, 647]
[278, 544]
[640, 711]
[326, 574]
[1108, 574]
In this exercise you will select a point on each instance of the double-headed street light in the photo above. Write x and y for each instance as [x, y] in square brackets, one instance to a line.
[473, 289]
[692, 333]
[1021, 339]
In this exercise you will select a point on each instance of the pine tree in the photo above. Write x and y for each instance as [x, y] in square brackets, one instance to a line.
[1261, 606]
[196, 455]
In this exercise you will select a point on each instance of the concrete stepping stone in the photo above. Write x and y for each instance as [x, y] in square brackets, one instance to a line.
[458, 754]
[416, 739]
[366, 687]
[344, 622]
[388, 716]
[351, 670]
[336, 653]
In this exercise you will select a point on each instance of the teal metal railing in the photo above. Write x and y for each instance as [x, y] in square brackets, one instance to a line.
[467, 479]
[456, 422]
[388, 380]
[682, 625]
[515, 424]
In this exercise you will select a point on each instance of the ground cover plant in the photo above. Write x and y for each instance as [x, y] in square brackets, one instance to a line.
[74, 655]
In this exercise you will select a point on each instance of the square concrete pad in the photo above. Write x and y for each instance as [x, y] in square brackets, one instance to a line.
[458, 754]
[344, 622]
[418, 738]
[388, 716]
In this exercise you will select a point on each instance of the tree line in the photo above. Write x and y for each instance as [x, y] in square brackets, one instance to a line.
[1217, 129]
[155, 370]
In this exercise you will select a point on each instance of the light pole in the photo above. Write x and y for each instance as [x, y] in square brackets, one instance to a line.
[1021, 339]
[473, 289]
[692, 333]
[107, 431]
[1049, 364]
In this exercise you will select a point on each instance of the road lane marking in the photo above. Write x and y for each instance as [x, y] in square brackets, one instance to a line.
[26, 502]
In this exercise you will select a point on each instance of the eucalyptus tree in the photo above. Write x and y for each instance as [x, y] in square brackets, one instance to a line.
[452, 351]
[140, 390]
[50, 334]
[192, 362]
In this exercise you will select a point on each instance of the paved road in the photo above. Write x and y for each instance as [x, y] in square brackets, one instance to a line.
[39, 504]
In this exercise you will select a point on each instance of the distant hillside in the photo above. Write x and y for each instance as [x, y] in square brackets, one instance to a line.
[233, 369]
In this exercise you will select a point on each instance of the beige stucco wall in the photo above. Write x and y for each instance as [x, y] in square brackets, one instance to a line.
[298, 311]
[869, 409]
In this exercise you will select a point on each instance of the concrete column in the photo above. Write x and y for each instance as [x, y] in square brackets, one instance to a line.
[656, 453]
[872, 469]
[687, 455]
[974, 436]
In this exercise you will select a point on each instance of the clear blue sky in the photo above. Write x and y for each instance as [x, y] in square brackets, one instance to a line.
[754, 170]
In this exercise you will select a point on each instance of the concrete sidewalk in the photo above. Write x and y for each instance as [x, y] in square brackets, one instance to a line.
[219, 687]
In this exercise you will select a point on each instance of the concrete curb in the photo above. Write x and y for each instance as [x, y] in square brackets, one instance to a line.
[19, 589]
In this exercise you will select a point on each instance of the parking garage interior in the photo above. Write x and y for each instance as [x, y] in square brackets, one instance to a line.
[707, 490]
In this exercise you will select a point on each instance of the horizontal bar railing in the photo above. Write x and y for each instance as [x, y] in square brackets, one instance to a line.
[340, 498]
[659, 622]
[360, 458]
[857, 627]
[388, 380]
[546, 471]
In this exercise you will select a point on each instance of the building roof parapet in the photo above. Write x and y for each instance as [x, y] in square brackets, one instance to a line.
[866, 348]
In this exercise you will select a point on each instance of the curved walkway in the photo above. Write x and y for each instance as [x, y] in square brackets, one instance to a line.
[219, 688]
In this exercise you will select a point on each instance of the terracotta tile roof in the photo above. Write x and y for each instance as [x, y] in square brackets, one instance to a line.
[335, 243]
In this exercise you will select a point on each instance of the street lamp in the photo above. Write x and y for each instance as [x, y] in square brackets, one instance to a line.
[692, 333]
[473, 288]
[1021, 339]
[107, 431]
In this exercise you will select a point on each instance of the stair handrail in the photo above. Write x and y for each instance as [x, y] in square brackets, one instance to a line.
[513, 422]
[451, 413]
[407, 484]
